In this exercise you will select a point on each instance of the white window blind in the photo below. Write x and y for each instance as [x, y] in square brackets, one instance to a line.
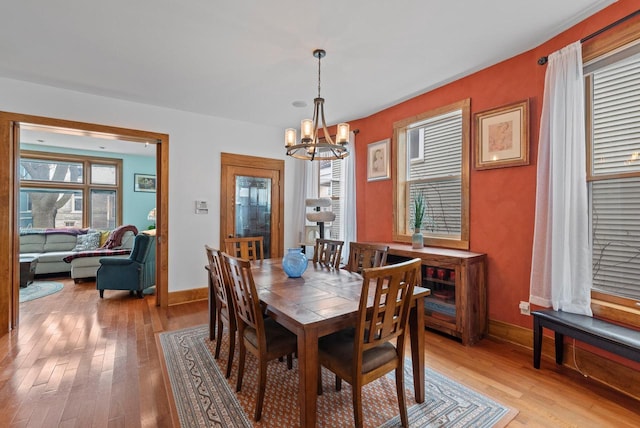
[437, 176]
[615, 178]
[330, 174]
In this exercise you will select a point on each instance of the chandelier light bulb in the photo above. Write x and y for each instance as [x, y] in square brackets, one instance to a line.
[306, 130]
[290, 137]
[342, 136]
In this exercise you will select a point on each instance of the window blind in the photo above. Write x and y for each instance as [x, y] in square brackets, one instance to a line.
[615, 199]
[438, 175]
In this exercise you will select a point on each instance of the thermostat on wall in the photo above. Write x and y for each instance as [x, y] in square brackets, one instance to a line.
[201, 207]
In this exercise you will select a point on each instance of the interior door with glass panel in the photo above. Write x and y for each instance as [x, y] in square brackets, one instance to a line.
[253, 209]
[251, 206]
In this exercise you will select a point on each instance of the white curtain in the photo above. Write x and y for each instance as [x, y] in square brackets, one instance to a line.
[561, 259]
[299, 220]
[348, 226]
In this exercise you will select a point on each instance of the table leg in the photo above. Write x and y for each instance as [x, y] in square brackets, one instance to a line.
[308, 372]
[416, 332]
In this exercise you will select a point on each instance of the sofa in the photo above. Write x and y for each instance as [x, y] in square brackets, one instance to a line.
[74, 251]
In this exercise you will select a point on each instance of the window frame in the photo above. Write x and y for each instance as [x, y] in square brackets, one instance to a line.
[399, 150]
[610, 306]
[85, 187]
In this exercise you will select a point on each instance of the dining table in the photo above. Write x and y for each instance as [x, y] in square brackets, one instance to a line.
[320, 302]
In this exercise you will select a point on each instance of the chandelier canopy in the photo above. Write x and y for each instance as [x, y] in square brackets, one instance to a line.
[311, 145]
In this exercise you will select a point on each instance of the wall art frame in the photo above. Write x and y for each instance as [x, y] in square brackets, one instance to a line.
[379, 160]
[144, 183]
[502, 136]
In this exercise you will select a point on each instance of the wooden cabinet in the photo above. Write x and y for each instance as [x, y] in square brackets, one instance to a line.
[457, 279]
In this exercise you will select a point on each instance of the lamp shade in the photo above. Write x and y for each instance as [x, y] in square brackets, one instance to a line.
[152, 215]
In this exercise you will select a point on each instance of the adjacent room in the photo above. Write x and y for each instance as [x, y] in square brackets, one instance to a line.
[414, 213]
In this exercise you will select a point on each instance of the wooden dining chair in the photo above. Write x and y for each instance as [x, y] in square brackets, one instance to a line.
[363, 355]
[363, 256]
[262, 336]
[328, 252]
[220, 292]
[248, 247]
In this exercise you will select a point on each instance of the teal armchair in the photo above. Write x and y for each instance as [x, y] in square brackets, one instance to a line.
[135, 273]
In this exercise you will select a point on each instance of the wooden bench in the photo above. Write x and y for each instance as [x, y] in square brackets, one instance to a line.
[611, 337]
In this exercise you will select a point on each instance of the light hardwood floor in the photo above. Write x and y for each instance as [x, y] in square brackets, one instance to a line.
[78, 361]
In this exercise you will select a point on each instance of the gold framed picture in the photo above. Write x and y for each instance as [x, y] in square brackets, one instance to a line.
[502, 136]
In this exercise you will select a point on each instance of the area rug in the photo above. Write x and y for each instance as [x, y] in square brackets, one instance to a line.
[204, 398]
[38, 289]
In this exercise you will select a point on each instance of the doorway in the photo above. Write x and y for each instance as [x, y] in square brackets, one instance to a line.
[252, 200]
[9, 214]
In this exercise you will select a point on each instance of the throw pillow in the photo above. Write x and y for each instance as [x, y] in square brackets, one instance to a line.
[104, 235]
[90, 241]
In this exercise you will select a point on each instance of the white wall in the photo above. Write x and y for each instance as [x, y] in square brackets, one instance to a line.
[195, 144]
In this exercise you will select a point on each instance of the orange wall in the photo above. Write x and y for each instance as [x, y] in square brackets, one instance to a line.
[502, 200]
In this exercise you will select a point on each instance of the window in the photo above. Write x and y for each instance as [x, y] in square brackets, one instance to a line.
[415, 138]
[76, 203]
[329, 181]
[56, 191]
[613, 170]
[432, 153]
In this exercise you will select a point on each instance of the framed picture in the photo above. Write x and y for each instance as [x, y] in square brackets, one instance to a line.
[502, 136]
[144, 183]
[378, 160]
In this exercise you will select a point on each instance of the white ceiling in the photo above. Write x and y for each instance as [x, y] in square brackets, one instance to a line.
[250, 60]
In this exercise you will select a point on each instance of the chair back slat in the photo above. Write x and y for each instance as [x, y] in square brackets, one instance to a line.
[389, 289]
[219, 278]
[364, 256]
[244, 294]
[248, 247]
[328, 252]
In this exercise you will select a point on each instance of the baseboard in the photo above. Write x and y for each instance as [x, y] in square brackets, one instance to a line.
[597, 367]
[186, 296]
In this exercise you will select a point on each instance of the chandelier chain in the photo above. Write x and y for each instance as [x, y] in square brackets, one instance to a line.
[319, 59]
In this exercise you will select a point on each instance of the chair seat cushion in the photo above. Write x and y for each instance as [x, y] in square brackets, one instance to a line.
[280, 341]
[339, 348]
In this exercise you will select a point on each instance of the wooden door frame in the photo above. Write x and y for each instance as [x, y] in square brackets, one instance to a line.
[234, 160]
[10, 188]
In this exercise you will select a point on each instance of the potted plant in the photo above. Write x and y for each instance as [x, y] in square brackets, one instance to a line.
[419, 209]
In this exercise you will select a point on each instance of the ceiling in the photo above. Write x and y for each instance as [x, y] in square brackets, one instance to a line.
[251, 60]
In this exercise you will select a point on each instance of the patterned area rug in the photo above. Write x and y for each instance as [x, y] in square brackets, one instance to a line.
[204, 398]
[38, 289]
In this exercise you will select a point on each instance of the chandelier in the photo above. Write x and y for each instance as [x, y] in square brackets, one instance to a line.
[312, 146]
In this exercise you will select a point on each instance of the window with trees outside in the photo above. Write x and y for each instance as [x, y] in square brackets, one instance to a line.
[329, 182]
[613, 172]
[432, 154]
[64, 191]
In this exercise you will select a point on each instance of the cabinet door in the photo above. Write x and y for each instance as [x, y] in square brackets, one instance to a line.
[441, 304]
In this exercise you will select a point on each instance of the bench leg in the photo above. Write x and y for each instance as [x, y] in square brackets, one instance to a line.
[559, 338]
[537, 342]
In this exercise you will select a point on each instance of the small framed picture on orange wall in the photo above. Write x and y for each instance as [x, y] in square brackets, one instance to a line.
[502, 136]
[378, 160]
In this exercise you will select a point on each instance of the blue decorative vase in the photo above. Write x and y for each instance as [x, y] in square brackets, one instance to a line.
[294, 262]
